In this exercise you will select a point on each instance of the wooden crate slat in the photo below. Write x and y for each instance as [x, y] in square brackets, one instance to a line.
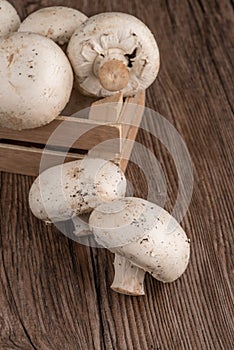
[69, 127]
[21, 151]
[26, 161]
[132, 112]
[127, 148]
[107, 110]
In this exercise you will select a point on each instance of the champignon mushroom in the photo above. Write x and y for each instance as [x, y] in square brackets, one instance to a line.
[9, 18]
[75, 188]
[145, 234]
[113, 52]
[36, 81]
[56, 22]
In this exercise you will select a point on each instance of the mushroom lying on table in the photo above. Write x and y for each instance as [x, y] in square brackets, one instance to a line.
[113, 52]
[56, 22]
[9, 18]
[65, 191]
[72, 189]
[146, 235]
[36, 81]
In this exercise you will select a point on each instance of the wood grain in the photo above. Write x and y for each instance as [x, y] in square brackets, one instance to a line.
[91, 133]
[25, 160]
[55, 294]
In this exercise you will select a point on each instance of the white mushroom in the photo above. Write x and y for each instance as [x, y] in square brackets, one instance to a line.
[113, 52]
[56, 22]
[36, 81]
[145, 234]
[74, 188]
[9, 19]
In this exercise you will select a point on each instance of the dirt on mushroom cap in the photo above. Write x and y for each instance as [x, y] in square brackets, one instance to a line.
[73, 188]
[151, 239]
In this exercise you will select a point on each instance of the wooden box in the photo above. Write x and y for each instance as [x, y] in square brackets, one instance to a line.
[106, 119]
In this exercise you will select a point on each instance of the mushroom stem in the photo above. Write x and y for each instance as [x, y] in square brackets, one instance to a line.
[113, 75]
[81, 226]
[129, 279]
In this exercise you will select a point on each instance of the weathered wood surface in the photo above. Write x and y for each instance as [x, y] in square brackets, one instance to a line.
[55, 294]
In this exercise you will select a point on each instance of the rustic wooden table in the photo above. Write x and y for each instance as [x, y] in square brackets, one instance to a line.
[55, 293]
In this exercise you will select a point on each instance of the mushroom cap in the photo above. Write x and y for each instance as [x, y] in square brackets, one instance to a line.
[160, 247]
[75, 188]
[123, 221]
[9, 18]
[56, 22]
[36, 81]
[119, 36]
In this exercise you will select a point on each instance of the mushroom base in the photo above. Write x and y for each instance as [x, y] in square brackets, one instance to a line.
[129, 279]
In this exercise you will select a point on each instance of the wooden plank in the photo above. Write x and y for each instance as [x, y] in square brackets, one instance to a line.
[131, 118]
[132, 112]
[26, 161]
[107, 110]
[67, 130]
